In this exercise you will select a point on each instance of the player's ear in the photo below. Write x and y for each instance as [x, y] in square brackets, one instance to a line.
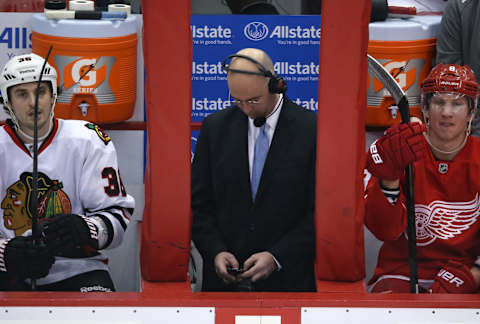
[472, 113]
[425, 113]
[426, 116]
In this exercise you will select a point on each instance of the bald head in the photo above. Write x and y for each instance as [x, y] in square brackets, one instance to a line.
[258, 55]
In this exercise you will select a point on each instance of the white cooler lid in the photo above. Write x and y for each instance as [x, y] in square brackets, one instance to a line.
[401, 29]
[83, 28]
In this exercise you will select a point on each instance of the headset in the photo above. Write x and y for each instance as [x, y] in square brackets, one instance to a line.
[276, 84]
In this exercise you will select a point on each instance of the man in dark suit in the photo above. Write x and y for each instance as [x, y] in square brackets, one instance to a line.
[266, 233]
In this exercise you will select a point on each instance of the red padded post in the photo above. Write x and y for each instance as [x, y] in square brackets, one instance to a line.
[341, 140]
[165, 236]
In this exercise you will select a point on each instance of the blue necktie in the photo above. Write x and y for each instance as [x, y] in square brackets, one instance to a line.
[260, 154]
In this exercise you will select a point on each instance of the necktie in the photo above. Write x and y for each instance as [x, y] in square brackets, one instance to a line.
[260, 154]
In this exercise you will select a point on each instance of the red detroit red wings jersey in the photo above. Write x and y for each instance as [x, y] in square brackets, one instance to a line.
[447, 210]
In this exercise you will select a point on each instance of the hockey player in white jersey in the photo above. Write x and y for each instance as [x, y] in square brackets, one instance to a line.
[82, 204]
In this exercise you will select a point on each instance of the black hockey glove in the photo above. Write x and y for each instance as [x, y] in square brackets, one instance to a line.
[64, 233]
[20, 257]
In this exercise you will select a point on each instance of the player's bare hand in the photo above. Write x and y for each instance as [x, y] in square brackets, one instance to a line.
[223, 260]
[259, 266]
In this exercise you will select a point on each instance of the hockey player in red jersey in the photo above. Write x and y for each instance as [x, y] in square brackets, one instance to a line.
[446, 162]
[82, 204]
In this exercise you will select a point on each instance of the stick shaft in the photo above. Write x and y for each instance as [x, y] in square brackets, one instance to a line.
[400, 98]
[35, 234]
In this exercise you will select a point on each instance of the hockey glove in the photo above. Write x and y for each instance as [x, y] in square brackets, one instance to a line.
[401, 145]
[20, 257]
[66, 232]
[454, 278]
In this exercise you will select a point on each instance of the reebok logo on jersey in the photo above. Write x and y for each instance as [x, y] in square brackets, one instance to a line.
[444, 219]
[95, 288]
[450, 277]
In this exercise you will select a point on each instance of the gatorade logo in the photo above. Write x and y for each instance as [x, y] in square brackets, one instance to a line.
[77, 72]
[88, 75]
[397, 69]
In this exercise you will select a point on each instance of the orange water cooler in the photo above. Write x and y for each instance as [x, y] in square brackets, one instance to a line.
[96, 63]
[406, 48]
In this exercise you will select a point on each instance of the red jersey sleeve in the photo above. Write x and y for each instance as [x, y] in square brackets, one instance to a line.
[385, 220]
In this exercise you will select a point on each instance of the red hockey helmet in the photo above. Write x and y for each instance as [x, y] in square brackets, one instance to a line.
[451, 78]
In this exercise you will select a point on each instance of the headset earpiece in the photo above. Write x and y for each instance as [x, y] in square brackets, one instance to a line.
[276, 84]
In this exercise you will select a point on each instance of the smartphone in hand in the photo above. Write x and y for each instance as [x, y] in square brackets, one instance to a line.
[234, 271]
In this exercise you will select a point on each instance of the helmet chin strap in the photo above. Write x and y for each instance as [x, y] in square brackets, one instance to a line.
[12, 116]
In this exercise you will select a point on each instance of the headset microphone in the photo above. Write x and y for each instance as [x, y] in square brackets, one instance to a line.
[260, 121]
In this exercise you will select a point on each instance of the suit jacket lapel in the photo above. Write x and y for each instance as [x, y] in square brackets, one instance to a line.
[239, 143]
[279, 147]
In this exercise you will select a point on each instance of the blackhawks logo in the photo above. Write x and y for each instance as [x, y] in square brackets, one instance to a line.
[100, 132]
[17, 203]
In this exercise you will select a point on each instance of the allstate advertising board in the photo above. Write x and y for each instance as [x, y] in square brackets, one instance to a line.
[15, 39]
[293, 42]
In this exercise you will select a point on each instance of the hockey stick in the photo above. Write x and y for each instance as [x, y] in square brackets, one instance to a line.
[35, 233]
[400, 98]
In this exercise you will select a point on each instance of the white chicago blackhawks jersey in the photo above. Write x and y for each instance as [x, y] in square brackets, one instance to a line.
[77, 174]
[447, 210]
